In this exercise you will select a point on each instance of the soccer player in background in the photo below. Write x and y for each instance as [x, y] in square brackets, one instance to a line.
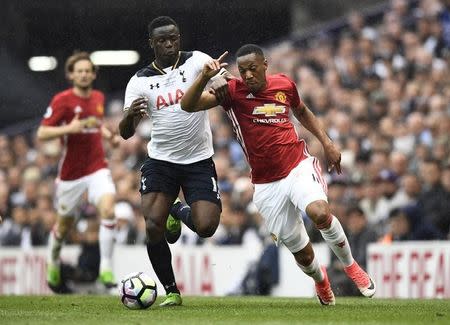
[179, 152]
[287, 178]
[75, 116]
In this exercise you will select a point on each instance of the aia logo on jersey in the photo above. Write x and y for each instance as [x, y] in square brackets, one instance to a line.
[280, 96]
[170, 99]
[269, 110]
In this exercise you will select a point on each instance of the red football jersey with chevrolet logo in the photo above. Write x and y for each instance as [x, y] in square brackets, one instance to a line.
[84, 151]
[262, 126]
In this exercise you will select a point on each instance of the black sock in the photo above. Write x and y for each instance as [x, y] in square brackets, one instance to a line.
[183, 212]
[161, 259]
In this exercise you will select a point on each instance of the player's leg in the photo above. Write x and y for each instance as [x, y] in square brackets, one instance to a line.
[283, 221]
[202, 214]
[101, 192]
[159, 188]
[55, 241]
[296, 239]
[300, 246]
[156, 206]
[68, 195]
[334, 235]
[309, 194]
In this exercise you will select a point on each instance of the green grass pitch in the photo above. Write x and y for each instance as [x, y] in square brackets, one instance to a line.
[221, 310]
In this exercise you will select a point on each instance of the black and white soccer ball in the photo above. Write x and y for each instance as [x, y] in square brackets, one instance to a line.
[137, 291]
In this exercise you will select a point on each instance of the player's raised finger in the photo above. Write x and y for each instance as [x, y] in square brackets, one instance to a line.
[224, 54]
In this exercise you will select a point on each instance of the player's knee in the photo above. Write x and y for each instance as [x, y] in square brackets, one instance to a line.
[207, 229]
[155, 226]
[319, 212]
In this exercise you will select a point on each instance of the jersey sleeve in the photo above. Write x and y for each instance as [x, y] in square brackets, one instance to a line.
[228, 103]
[132, 92]
[296, 100]
[200, 60]
[54, 115]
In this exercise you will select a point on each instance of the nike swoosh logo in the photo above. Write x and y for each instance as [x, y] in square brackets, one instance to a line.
[372, 285]
[132, 284]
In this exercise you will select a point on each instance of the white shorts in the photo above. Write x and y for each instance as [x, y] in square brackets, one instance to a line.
[69, 193]
[281, 202]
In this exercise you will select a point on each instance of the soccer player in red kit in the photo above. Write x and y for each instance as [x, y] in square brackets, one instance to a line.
[287, 178]
[75, 116]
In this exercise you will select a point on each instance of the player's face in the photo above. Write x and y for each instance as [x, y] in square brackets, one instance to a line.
[252, 68]
[83, 74]
[165, 42]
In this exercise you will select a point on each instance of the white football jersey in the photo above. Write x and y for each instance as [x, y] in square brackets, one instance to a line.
[176, 136]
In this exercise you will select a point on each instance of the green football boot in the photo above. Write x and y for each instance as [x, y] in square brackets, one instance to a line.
[107, 279]
[172, 299]
[53, 275]
[173, 227]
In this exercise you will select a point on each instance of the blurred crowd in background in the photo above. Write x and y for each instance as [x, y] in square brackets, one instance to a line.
[382, 92]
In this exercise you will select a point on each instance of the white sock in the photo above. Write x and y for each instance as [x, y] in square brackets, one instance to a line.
[106, 242]
[54, 247]
[336, 239]
[313, 270]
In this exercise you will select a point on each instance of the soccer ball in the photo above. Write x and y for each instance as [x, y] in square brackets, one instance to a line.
[137, 291]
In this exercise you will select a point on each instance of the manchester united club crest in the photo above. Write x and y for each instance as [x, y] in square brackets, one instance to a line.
[280, 96]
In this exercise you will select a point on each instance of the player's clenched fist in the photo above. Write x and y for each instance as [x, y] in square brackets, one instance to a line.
[138, 107]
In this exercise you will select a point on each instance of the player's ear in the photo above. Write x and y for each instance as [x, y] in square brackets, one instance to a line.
[150, 42]
[69, 76]
[265, 64]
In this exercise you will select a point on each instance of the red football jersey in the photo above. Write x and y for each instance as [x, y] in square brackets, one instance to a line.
[84, 153]
[262, 126]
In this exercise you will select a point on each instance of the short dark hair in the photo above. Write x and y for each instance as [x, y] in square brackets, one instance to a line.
[159, 22]
[249, 49]
[74, 58]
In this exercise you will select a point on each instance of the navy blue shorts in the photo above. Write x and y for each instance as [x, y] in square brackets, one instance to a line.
[197, 180]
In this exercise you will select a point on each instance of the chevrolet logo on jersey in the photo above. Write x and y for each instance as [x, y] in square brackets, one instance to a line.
[269, 110]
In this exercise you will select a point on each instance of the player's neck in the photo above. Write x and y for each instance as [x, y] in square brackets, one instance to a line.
[82, 92]
[162, 64]
[263, 86]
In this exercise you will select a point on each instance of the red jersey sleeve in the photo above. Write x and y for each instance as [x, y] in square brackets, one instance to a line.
[296, 100]
[54, 114]
[228, 103]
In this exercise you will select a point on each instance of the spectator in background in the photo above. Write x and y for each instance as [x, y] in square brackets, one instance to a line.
[409, 224]
[434, 199]
[15, 231]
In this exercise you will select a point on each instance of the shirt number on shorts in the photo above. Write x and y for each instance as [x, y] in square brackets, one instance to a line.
[214, 184]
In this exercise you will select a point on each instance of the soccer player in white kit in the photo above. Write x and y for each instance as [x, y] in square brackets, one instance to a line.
[287, 178]
[179, 151]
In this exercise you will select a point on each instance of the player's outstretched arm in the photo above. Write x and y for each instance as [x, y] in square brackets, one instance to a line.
[312, 124]
[45, 132]
[132, 117]
[195, 99]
